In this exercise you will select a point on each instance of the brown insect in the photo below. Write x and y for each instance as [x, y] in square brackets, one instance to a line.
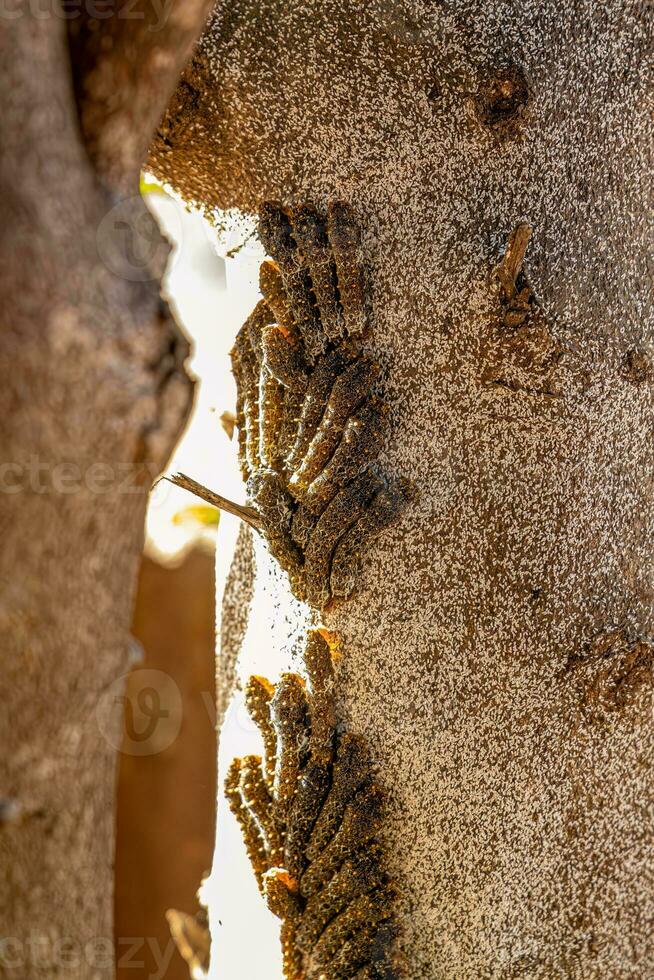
[310, 813]
[310, 421]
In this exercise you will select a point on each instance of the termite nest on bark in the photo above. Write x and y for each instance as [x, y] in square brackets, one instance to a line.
[310, 813]
[611, 672]
[520, 353]
[310, 421]
[503, 99]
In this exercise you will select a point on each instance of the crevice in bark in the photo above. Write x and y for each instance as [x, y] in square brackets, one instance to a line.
[503, 100]
[172, 390]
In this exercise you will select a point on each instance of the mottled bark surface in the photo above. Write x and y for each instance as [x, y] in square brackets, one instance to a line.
[520, 822]
[92, 395]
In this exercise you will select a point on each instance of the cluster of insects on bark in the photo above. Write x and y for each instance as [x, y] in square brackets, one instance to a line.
[310, 814]
[311, 424]
[310, 420]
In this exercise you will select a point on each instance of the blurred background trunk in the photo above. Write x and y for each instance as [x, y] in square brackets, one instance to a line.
[167, 798]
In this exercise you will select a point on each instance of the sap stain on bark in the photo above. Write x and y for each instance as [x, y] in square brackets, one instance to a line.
[310, 813]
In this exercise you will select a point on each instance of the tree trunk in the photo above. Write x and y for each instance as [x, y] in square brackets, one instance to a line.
[92, 395]
[499, 660]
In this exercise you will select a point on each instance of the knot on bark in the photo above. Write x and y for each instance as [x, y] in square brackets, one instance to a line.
[503, 99]
[611, 672]
[638, 367]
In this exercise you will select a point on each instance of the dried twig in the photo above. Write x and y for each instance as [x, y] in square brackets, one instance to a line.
[509, 268]
[247, 514]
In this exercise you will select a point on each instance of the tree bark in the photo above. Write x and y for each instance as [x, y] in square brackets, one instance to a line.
[500, 661]
[92, 395]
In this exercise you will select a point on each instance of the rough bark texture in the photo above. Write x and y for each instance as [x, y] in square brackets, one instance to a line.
[521, 823]
[92, 394]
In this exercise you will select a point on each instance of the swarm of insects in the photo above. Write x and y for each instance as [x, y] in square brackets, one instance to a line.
[310, 815]
[309, 419]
